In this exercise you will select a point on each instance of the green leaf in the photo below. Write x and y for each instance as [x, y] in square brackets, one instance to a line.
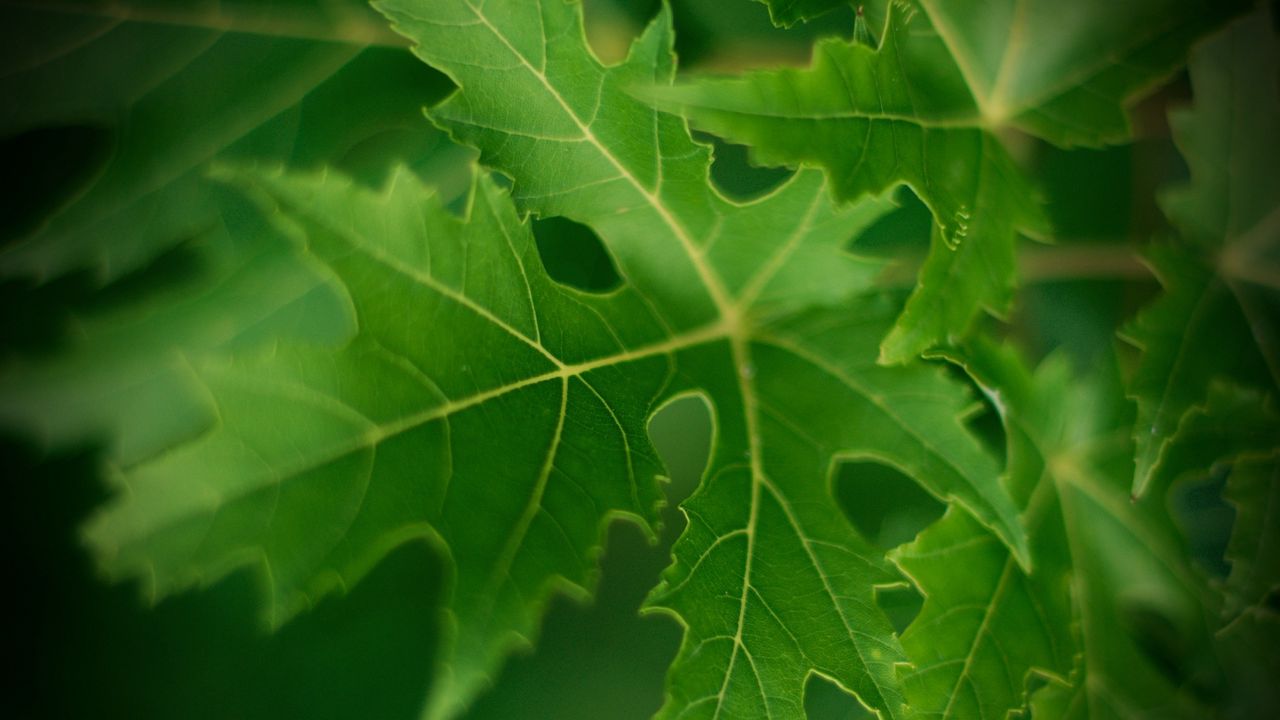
[120, 379]
[1254, 489]
[174, 85]
[265, 486]
[986, 624]
[877, 118]
[322, 460]
[360, 362]
[1251, 620]
[1065, 76]
[190, 267]
[786, 13]
[1249, 647]
[1220, 283]
[503, 416]
[1233, 424]
[923, 110]
[1114, 618]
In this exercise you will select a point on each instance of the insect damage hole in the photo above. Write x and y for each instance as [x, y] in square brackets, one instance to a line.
[825, 700]
[573, 255]
[889, 509]
[736, 176]
[885, 505]
[681, 433]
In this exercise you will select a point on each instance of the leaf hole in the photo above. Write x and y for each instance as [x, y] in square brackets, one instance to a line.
[982, 419]
[1204, 518]
[902, 603]
[734, 174]
[884, 504]
[681, 433]
[718, 36]
[612, 25]
[825, 700]
[574, 256]
[905, 231]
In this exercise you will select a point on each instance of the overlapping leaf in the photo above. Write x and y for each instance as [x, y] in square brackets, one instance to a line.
[1198, 407]
[1147, 623]
[322, 460]
[419, 374]
[986, 624]
[484, 406]
[1217, 317]
[875, 118]
[1239, 429]
[1114, 617]
[922, 109]
[168, 86]
[1062, 73]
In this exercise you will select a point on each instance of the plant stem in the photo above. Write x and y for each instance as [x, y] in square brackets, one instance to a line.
[1047, 264]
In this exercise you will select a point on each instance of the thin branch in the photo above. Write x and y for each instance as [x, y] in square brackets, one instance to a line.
[1045, 264]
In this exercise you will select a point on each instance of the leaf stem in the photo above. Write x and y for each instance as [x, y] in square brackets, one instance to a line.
[1047, 264]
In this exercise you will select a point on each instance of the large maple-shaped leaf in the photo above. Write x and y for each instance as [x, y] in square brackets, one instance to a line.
[1066, 74]
[1103, 566]
[1061, 73]
[486, 407]
[876, 118]
[922, 110]
[1221, 289]
[324, 459]
[168, 85]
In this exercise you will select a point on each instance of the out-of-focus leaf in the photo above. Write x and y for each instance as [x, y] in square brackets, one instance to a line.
[1063, 72]
[191, 267]
[1114, 618]
[923, 110]
[1254, 489]
[174, 85]
[987, 624]
[1217, 319]
[874, 119]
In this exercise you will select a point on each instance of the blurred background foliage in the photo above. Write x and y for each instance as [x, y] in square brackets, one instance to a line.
[84, 648]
